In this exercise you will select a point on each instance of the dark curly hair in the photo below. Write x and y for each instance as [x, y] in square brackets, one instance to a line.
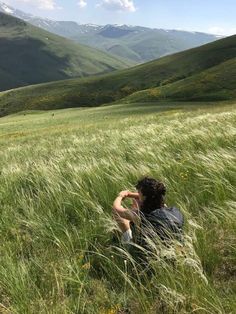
[154, 192]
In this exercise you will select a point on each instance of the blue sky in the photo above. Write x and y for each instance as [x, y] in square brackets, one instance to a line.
[212, 16]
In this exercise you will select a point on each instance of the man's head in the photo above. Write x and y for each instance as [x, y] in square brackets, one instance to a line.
[152, 193]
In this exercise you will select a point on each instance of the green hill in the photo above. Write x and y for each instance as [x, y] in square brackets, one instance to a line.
[206, 62]
[29, 55]
[216, 83]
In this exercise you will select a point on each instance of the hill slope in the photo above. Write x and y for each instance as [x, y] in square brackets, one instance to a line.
[188, 65]
[29, 55]
[136, 43]
[216, 83]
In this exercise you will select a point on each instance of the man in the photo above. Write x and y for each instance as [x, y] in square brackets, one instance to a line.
[149, 211]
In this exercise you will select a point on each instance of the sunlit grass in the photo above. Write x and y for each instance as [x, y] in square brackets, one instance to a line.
[59, 176]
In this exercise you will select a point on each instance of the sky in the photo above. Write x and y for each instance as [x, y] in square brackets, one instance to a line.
[210, 16]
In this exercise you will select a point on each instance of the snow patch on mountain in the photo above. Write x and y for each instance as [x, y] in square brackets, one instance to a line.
[6, 9]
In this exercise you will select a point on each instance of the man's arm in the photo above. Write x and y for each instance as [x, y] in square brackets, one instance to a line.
[125, 213]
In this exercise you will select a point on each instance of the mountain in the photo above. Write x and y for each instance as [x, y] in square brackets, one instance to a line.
[30, 55]
[135, 43]
[142, 44]
[62, 28]
[5, 8]
[204, 73]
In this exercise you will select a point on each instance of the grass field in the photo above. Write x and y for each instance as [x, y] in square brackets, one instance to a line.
[59, 174]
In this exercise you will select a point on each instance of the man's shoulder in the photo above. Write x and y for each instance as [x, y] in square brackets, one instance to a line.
[167, 214]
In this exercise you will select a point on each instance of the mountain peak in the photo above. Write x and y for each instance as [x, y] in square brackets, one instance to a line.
[5, 8]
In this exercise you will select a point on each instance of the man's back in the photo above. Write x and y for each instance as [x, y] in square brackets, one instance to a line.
[166, 222]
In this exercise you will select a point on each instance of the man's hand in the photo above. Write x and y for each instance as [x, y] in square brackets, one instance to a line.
[124, 194]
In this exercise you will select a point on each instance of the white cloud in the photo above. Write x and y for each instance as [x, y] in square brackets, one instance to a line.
[118, 5]
[82, 3]
[41, 4]
[216, 30]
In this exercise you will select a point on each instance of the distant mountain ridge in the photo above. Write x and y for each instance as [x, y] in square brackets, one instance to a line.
[62, 28]
[30, 55]
[135, 43]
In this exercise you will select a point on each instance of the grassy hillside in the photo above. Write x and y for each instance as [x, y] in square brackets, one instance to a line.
[115, 86]
[29, 55]
[218, 82]
[59, 177]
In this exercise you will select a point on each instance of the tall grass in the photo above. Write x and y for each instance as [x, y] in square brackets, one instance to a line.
[59, 176]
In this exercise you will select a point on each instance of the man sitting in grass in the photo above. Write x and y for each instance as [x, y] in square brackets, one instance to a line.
[149, 212]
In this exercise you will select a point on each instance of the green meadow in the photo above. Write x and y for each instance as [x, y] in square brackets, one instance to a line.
[59, 174]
